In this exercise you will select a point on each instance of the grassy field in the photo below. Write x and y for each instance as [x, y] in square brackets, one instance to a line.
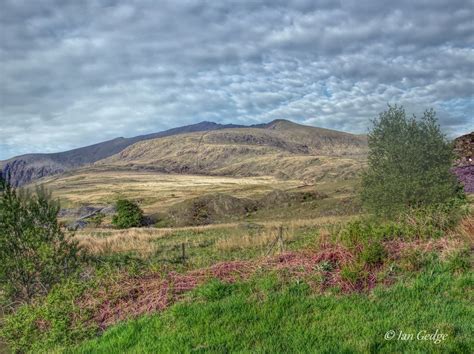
[154, 191]
[170, 198]
[204, 245]
[264, 316]
[237, 290]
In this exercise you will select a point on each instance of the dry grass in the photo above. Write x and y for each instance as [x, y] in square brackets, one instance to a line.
[143, 241]
[155, 191]
[120, 241]
[465, 229]
[263, 238]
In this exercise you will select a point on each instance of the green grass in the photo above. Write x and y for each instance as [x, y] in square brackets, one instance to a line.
[266, 315]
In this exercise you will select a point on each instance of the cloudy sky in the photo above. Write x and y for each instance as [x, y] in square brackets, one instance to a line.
[74, 72]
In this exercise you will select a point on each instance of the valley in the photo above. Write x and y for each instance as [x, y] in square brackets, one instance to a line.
[267, 215]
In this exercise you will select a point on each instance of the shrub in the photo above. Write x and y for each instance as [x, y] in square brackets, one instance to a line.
[35, 254]
[96, 220]
[409, 164]
[56, 320]
[373, 253]
[128, 214]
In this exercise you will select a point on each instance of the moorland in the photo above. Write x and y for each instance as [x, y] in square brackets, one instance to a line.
[250, 239]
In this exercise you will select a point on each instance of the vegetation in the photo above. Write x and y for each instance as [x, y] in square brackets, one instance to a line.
[303, 304]
[295, 269]
[128, 214]
[265, 315]
[35, 254]
[410, 164]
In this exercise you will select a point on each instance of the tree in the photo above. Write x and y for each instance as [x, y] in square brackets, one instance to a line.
[409, 164]
[35, 254]
[128, 214]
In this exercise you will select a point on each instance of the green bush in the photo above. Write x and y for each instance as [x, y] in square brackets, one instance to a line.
[373, 253]
[409, 164]
[35, 254]
[128, 214]
[56, 320]
[96, 220]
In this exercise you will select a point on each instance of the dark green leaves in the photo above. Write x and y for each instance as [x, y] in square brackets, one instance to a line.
[128, 214]
[409, 164]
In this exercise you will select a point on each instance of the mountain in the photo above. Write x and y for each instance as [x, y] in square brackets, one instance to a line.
[23, 169]
[280, 148]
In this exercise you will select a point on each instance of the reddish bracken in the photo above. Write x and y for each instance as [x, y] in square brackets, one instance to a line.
[130, 297]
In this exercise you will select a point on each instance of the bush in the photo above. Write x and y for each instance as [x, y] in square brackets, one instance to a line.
[128, 214]
[373, 253]
[56, 320]
[410, 164]
[35, 254]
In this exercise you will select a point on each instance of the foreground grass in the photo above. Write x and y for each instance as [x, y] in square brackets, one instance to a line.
[424, 281]
[266, 315]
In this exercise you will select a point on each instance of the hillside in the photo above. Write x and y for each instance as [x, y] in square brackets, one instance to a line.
[23, 169]
[281, 149]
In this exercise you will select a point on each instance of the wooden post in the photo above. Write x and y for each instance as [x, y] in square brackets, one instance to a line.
[183, 252]
[280, 238]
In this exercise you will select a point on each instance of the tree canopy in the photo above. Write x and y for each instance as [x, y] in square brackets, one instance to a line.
[409, 163]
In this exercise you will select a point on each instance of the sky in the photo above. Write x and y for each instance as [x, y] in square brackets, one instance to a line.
[73, 73]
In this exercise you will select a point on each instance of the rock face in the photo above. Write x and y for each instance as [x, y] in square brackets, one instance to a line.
[83, 214]
[466, 175]
[464, 170]
[464, 148]
[23, 170]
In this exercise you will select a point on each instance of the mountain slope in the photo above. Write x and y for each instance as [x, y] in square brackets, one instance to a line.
[280, 148]
[23, 169]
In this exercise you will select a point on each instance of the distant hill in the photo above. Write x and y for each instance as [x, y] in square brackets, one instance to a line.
[23, 169]
[280, 148]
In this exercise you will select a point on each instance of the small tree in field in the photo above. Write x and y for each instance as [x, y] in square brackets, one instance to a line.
[128, 214]
[34, 252]
[409, 164]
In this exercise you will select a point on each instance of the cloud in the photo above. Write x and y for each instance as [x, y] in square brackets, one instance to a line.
[74, 73]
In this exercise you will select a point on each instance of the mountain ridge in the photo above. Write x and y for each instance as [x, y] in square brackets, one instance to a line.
[252, 145]
[281, 149]
[23, 169]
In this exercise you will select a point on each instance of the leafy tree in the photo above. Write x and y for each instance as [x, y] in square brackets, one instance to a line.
[34, 252]
[128, 214]
[409, 164]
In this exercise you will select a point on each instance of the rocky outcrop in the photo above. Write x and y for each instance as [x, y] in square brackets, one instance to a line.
[464, 170]
[464, 149]
[20, 171]
[465, 175]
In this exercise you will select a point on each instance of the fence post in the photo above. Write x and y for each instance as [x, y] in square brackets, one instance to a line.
[183, 252]
[280, 238]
